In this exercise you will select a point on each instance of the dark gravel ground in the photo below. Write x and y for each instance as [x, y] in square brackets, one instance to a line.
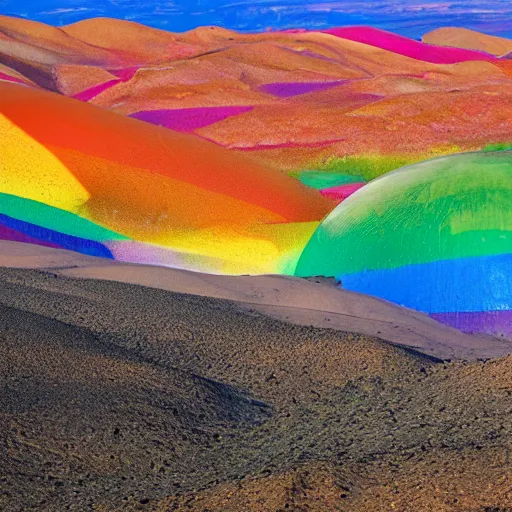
[121, 397]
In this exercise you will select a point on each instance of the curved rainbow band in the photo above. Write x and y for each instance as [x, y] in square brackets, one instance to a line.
[434, 236]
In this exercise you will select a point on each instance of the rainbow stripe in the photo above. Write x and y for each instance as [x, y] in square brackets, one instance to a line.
[434, 236]
[78, 177]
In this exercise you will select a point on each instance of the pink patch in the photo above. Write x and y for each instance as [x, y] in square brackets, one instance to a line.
[10, 78]
[188, 119]
[123, 76]
[341, 192]
[92, 92]
[289, 89]
[408, 47]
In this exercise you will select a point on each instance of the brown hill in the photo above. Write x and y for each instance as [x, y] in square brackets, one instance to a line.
[122, 397]
[314, 302]
[459, 37]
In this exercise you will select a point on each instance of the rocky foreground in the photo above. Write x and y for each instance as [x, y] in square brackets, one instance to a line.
[123, 397]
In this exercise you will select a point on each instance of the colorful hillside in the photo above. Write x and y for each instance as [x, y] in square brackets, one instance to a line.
[458, 37]
[296, 100]
[82, 178]
[222, 152]
[435, 237]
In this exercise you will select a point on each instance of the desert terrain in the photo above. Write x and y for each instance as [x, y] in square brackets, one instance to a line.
[207, 243]
[119, 396]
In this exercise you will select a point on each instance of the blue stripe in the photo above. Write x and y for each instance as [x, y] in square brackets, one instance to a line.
[72, 243]
[465, 284]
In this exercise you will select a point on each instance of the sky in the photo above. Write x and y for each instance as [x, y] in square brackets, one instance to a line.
[411, 18]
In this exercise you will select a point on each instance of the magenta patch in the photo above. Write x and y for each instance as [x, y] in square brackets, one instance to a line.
[9, 78]
[341, 192]
[123, 75]
[188, 119]
[408, 47]
[287, 90]
[16, 236]
[90, 93]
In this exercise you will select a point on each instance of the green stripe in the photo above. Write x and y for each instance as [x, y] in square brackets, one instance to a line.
[54, 218]
[450, 207]
[326, 179]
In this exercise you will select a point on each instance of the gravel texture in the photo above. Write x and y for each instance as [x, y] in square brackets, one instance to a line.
[119, 397]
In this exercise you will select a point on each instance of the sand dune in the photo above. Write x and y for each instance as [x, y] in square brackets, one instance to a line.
[120, 397]
[417, 96]
[408, 47]
[460, 37]
[298, 301]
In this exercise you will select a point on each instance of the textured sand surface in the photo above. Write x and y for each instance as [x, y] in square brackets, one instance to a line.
[312, 96]
[315, 302]
[464, 38]
[121, 397]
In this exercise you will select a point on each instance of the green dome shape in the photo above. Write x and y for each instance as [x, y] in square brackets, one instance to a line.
[434, 236]
[457, 206]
